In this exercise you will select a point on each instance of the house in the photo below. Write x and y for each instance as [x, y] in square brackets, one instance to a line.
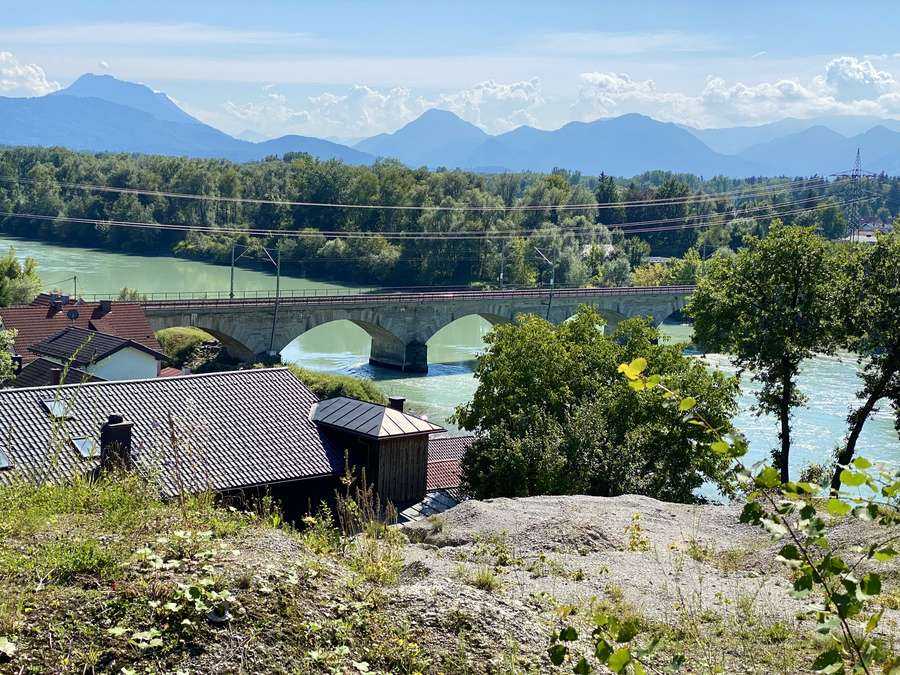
[49, 314]
[104, 356]
[43, 372]
[233, 433]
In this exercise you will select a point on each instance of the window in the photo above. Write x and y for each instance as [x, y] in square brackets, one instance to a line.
[56, 408]
[86, 447]
[4, 461]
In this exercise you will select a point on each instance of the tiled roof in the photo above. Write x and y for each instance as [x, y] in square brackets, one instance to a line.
[443, 474]
[82, 347]
[170, 372]
[38, 373]
[445, 455]
[369, 419]
[448, 447]
[37, 322]
[234, 429]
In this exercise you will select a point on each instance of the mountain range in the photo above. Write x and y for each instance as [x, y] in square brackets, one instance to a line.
[103, 114]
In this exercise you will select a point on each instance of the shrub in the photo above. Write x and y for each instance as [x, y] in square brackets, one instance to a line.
[326, 385]
[179, 343]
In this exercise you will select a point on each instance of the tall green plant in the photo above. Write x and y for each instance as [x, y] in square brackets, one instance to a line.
[771, 306]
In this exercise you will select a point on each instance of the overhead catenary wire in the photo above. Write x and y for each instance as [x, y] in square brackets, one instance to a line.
[627, 228]
[737, 193]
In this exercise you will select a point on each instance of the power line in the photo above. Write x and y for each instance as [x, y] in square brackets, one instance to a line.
[756, 191]
[628, 228]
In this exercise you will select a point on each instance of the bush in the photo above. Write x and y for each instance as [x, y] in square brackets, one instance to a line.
[326, 385]
[179, 343]
[553, 416]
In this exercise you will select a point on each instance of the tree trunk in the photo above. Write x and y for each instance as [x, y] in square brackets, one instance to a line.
[784, 415]
[857, 419]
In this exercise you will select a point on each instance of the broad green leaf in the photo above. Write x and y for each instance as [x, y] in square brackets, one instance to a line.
[789, 552]
[838, 508]
[638, 366]
[884, 554]
[852, 478]
[603, 651]
[768, 478]
[719, 447]
[568, 634]
[638, 668]
[862, 463]
[557, 654]
[872, 623]
[687, 403]
[582, 667]
[828, 662]
[752, 513]
[653, 380]
[637, 385]
[619, 659]
[869, 587]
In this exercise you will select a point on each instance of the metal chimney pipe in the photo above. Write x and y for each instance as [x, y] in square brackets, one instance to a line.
[396, 402]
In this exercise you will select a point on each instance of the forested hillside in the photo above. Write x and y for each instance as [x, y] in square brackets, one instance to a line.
[585, 241]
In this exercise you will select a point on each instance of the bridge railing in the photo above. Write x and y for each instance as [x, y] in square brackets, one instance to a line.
[408, 295]
[375, 291]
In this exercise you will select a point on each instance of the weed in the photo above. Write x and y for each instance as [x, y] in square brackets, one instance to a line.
[637, 541]
[486, 579]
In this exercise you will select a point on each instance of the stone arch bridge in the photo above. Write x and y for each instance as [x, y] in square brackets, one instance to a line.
[399, 323]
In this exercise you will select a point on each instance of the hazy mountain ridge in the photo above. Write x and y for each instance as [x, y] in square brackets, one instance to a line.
[103, 114]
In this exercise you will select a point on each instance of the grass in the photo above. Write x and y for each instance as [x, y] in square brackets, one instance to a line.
[325, 385]
[179, 343]
[485, 579]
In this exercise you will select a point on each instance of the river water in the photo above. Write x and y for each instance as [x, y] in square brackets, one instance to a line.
[830, 383]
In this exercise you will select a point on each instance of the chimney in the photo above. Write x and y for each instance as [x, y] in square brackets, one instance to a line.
[17, 364]
[396, 402]
[185, 370]
[115, 444]
[55, 376]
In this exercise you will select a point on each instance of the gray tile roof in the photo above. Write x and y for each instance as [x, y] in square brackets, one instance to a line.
[369, 419]
[82, 347]
[38, 373]
[233, 429]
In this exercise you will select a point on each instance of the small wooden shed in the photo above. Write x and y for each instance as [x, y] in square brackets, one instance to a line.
[390, 444]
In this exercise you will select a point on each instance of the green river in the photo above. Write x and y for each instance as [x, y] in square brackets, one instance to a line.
[830, 383]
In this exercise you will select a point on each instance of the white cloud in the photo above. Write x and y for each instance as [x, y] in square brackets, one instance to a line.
[23, 79]
[365, 111]
[847, 86]
[853, 80]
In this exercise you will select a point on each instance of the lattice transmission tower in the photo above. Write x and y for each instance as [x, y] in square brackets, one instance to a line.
[856, 175]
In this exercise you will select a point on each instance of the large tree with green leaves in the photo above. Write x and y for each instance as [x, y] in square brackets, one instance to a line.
[774, 304]
[873, 310]
[552, 415]
[19, 281]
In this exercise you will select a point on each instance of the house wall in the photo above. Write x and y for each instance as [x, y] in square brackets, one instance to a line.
[402, 467]
[126, 364]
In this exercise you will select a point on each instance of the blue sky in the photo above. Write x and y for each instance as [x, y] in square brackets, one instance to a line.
[351, 69]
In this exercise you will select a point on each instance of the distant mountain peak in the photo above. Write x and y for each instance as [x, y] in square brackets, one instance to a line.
[131, 94]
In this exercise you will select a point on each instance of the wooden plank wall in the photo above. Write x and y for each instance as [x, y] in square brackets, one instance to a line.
[402, 469]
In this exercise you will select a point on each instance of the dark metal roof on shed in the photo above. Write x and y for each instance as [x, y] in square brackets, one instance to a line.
[82, 347]
[369, 419]
[233, 430]
[39, 373]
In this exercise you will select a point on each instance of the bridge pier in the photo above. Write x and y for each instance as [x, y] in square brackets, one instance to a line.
[407, 357]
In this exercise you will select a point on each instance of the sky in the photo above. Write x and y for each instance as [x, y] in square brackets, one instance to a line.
[348, 70]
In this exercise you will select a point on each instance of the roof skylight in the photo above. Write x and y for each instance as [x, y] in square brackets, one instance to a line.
[86, 447]
[56, 408]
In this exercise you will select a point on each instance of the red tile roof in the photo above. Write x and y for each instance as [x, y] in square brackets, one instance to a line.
[35, 323]
[444, 466]
[170, 372]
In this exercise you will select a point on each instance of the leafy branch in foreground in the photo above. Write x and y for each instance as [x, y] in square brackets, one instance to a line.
[838, 587]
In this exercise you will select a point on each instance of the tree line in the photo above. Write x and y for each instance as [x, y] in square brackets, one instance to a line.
[586, 244]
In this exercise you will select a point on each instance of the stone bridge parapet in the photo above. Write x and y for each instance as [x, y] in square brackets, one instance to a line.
[400, 324]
